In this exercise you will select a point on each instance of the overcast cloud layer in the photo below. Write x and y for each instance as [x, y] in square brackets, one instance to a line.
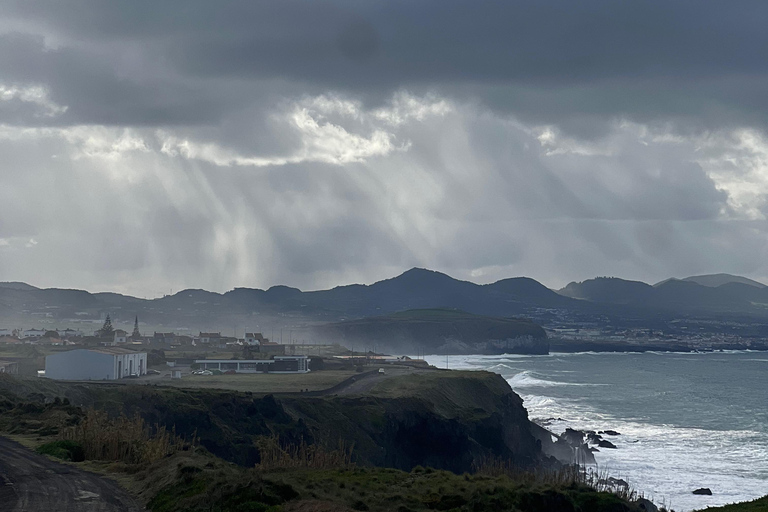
[154, 146]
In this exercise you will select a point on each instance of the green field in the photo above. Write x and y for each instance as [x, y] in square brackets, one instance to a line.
[262, 382]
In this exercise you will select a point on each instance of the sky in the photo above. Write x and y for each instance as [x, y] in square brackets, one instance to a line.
[148, 147]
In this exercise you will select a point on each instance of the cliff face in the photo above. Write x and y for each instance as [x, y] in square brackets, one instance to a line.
[446, 420]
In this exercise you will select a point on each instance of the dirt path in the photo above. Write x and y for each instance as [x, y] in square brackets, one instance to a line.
[32, 482]
[363, 385]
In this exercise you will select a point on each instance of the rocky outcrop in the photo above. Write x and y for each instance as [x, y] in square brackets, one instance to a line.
[704, 491]
[568, 447]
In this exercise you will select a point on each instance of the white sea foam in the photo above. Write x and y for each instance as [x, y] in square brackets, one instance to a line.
[526, 379]
[663, 461]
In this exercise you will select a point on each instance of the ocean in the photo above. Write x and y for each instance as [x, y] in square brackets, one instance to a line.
[686, 420]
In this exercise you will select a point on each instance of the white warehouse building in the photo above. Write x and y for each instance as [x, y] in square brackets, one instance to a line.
[104, 363]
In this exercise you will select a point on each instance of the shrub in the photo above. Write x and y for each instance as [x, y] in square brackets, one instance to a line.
[63, 449]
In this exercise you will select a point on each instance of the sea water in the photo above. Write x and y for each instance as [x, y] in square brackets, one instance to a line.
[686, 420]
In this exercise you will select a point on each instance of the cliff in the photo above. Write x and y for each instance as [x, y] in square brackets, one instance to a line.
[445, 420]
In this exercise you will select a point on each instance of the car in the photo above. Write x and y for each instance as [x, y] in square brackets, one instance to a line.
[133, 376]
[153, 372]
[202, 372]
[381, 370]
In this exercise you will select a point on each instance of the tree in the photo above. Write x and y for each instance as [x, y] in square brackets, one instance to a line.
[107, 330]
[136, 334]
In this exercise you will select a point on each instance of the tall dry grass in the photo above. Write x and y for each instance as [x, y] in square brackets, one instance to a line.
[277, 455]
[126, 439]
[573, 474]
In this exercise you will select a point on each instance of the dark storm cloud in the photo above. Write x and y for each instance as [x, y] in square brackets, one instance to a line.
[154, 145]
[546, 60]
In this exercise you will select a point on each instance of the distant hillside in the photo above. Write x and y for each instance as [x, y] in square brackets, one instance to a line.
[676, 295]
[715, 280]
[609, 289]
[15, 285]
[439, 331]
[600, 301]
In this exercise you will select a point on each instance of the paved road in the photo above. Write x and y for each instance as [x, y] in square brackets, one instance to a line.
[30, 482]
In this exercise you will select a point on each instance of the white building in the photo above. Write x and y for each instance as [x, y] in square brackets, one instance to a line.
[105, 363]
[6, 332]
[69, 333]
[33, 333]
[120, 336]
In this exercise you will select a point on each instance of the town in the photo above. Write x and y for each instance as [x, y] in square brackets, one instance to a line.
[114, 354]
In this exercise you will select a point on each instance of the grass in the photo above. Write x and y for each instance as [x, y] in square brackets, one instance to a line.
[758, 505]
[208, 487]
[263, 382]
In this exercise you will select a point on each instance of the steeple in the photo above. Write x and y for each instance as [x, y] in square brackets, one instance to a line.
[136, 333]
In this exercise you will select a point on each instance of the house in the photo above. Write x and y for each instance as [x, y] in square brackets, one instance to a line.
[254, 338]
[6, 332]
[9, 367]
[210, 337]
[103, 363]
[120, 336]
[278, 364]
[183, 340]
[33, 333]
[163, 337]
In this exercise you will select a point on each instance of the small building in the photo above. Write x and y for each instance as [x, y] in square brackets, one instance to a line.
[279, 364]
[210, 337]
[7, 332]
[69, 333]
[163, 337]
[33, 333]
[254, 338]
[120, 336]
[103, 363]
[9, 367]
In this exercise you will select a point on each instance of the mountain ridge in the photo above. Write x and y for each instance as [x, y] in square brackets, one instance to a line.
[416, 288]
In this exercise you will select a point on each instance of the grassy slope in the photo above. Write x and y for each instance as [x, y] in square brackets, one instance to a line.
[263, 383]
[209, 486]
[758, 505]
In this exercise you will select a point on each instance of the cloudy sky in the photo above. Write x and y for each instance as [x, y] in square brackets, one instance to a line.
[152, 146]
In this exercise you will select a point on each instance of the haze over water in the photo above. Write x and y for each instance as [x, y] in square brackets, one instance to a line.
[687, 420]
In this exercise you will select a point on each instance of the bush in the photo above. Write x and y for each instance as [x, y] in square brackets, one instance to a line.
[65, 450]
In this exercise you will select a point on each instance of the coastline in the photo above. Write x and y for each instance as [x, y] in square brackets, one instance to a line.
[669, 406]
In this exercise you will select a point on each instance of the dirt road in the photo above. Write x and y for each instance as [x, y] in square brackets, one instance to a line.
[368, 380]
[32, 482]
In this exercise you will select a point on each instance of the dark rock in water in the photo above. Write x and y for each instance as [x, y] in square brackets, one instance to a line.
[646, 505]
[593, 450]
[594, 438]
[573, 437]
[609, 432]
[704, 491]
[618, 482]
[606, 444]
[561, 449]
